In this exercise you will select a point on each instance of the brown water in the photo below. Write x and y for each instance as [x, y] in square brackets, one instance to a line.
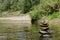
[16, 32]
[11, 31]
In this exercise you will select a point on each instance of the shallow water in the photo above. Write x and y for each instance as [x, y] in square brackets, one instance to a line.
[12, 32]
[15, 32]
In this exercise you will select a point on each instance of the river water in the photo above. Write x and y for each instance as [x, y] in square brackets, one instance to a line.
[15, 32]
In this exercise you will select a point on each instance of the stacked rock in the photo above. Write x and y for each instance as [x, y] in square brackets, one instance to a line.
[44, 29]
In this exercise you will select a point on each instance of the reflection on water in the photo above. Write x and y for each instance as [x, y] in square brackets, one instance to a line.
[12, 32]
[13, 36]
[19, 36]
[15, 32]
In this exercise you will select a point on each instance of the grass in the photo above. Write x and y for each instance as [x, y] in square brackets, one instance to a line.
[53, 16]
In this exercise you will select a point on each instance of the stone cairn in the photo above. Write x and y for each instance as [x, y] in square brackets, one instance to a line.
[44, 29]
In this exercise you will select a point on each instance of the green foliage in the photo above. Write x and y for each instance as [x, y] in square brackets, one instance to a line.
[3, 7]
[17, 5]
[46, 7]
[27, 6]
[35, 15]
[35, 7]
[54, 15]
[13, 5]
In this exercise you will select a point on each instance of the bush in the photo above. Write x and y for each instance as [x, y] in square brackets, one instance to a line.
[35, 15]
[13, 5]
[3, 7]
[54, 15]
[28, 4]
